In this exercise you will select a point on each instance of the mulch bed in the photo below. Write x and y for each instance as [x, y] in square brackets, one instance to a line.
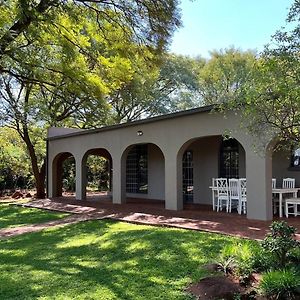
[219, 287]
[222, 287]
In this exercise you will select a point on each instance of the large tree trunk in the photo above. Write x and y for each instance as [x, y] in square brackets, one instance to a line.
[39, 175]
[40, 183]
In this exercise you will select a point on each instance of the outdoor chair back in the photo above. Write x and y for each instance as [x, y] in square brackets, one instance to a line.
[222, 193]
[288, 183]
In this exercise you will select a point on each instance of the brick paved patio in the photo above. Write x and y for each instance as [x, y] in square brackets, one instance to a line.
[152, 212]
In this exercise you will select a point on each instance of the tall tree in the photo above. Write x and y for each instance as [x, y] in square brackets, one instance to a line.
[170, 87]
[152, 22]
[225, 75]
[272, 99]
[58, 59]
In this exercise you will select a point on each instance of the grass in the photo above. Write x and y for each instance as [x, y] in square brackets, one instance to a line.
[13, 216]
[105, 260]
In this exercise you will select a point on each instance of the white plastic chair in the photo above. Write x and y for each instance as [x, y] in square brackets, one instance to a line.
[273, 183]
[292, 203]
[222, 193]
[243, 199]
[234, 194]
[288, 183]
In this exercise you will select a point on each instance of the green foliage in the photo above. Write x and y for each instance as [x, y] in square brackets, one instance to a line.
[264, 260]
[169, 87]
[177, 87]
[281, 241]
[280, 284]
[239, 258]
[245, 258]
[15, 171]
[225, 75]
[60, 60]
[97, 173]
[12, 152]
[69, 174]
[294, 256]
[278, 248]
[271, 98]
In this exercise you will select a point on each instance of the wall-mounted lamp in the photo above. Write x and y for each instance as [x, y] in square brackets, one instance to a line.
[139, 133]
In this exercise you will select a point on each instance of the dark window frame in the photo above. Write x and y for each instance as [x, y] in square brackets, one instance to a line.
[137, 170]
[229, 158]
[188, 176]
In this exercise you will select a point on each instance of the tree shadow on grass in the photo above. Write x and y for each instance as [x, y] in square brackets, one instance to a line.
[13, 216]
[106, 260]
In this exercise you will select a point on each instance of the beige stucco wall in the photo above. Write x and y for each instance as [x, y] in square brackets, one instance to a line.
[172, 136]
[57, 131]
[206, 166]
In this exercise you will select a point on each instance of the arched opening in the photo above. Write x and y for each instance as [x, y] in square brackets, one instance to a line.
[285, 168]
[232, 159]
[97, 165]
[144, 173]
[204, 158]
[285, 163]
[64, 175]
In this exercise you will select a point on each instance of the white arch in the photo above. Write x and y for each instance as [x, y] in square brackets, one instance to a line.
[56, 175]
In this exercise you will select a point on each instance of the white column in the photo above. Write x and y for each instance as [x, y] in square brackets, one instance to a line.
[259, 185]
[80, 179]
[173, 182]
[51, 172]
[118, 179]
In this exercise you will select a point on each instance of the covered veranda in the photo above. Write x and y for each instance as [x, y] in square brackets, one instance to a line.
[167, 141]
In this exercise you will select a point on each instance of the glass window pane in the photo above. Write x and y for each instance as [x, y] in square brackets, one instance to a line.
[137, 169]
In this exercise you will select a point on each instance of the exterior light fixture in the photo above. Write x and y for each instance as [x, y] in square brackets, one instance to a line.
[139, 133]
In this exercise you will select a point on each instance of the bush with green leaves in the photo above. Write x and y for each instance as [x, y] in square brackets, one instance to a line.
[294, 256]
[280, 284]
[263, 260]
[281, 241]
[239, 258]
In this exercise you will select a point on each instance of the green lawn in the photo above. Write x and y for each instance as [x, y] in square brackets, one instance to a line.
[105, 260]
[13, 216]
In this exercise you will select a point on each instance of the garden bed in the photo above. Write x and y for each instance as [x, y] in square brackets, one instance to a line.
[270, 270]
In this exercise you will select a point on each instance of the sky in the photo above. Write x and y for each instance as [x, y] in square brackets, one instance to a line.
[218, 24]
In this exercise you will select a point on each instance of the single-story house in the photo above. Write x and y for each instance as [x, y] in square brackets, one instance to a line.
[173, 158]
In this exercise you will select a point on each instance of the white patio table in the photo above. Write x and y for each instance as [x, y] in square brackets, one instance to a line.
[280, 192]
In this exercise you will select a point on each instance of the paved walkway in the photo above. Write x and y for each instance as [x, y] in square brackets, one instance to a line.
[195, 217]
[9, 232]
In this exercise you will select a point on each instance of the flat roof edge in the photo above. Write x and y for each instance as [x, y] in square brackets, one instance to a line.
[178, 114]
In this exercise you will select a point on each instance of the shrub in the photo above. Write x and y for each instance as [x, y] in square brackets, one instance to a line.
[280, 241]
[280, 284]
[263, 260]
[294, 256]
[239, 258]
[245, 259]
[226, 258]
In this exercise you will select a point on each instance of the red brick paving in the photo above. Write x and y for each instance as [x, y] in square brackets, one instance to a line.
[140, 211]
[9, 232]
